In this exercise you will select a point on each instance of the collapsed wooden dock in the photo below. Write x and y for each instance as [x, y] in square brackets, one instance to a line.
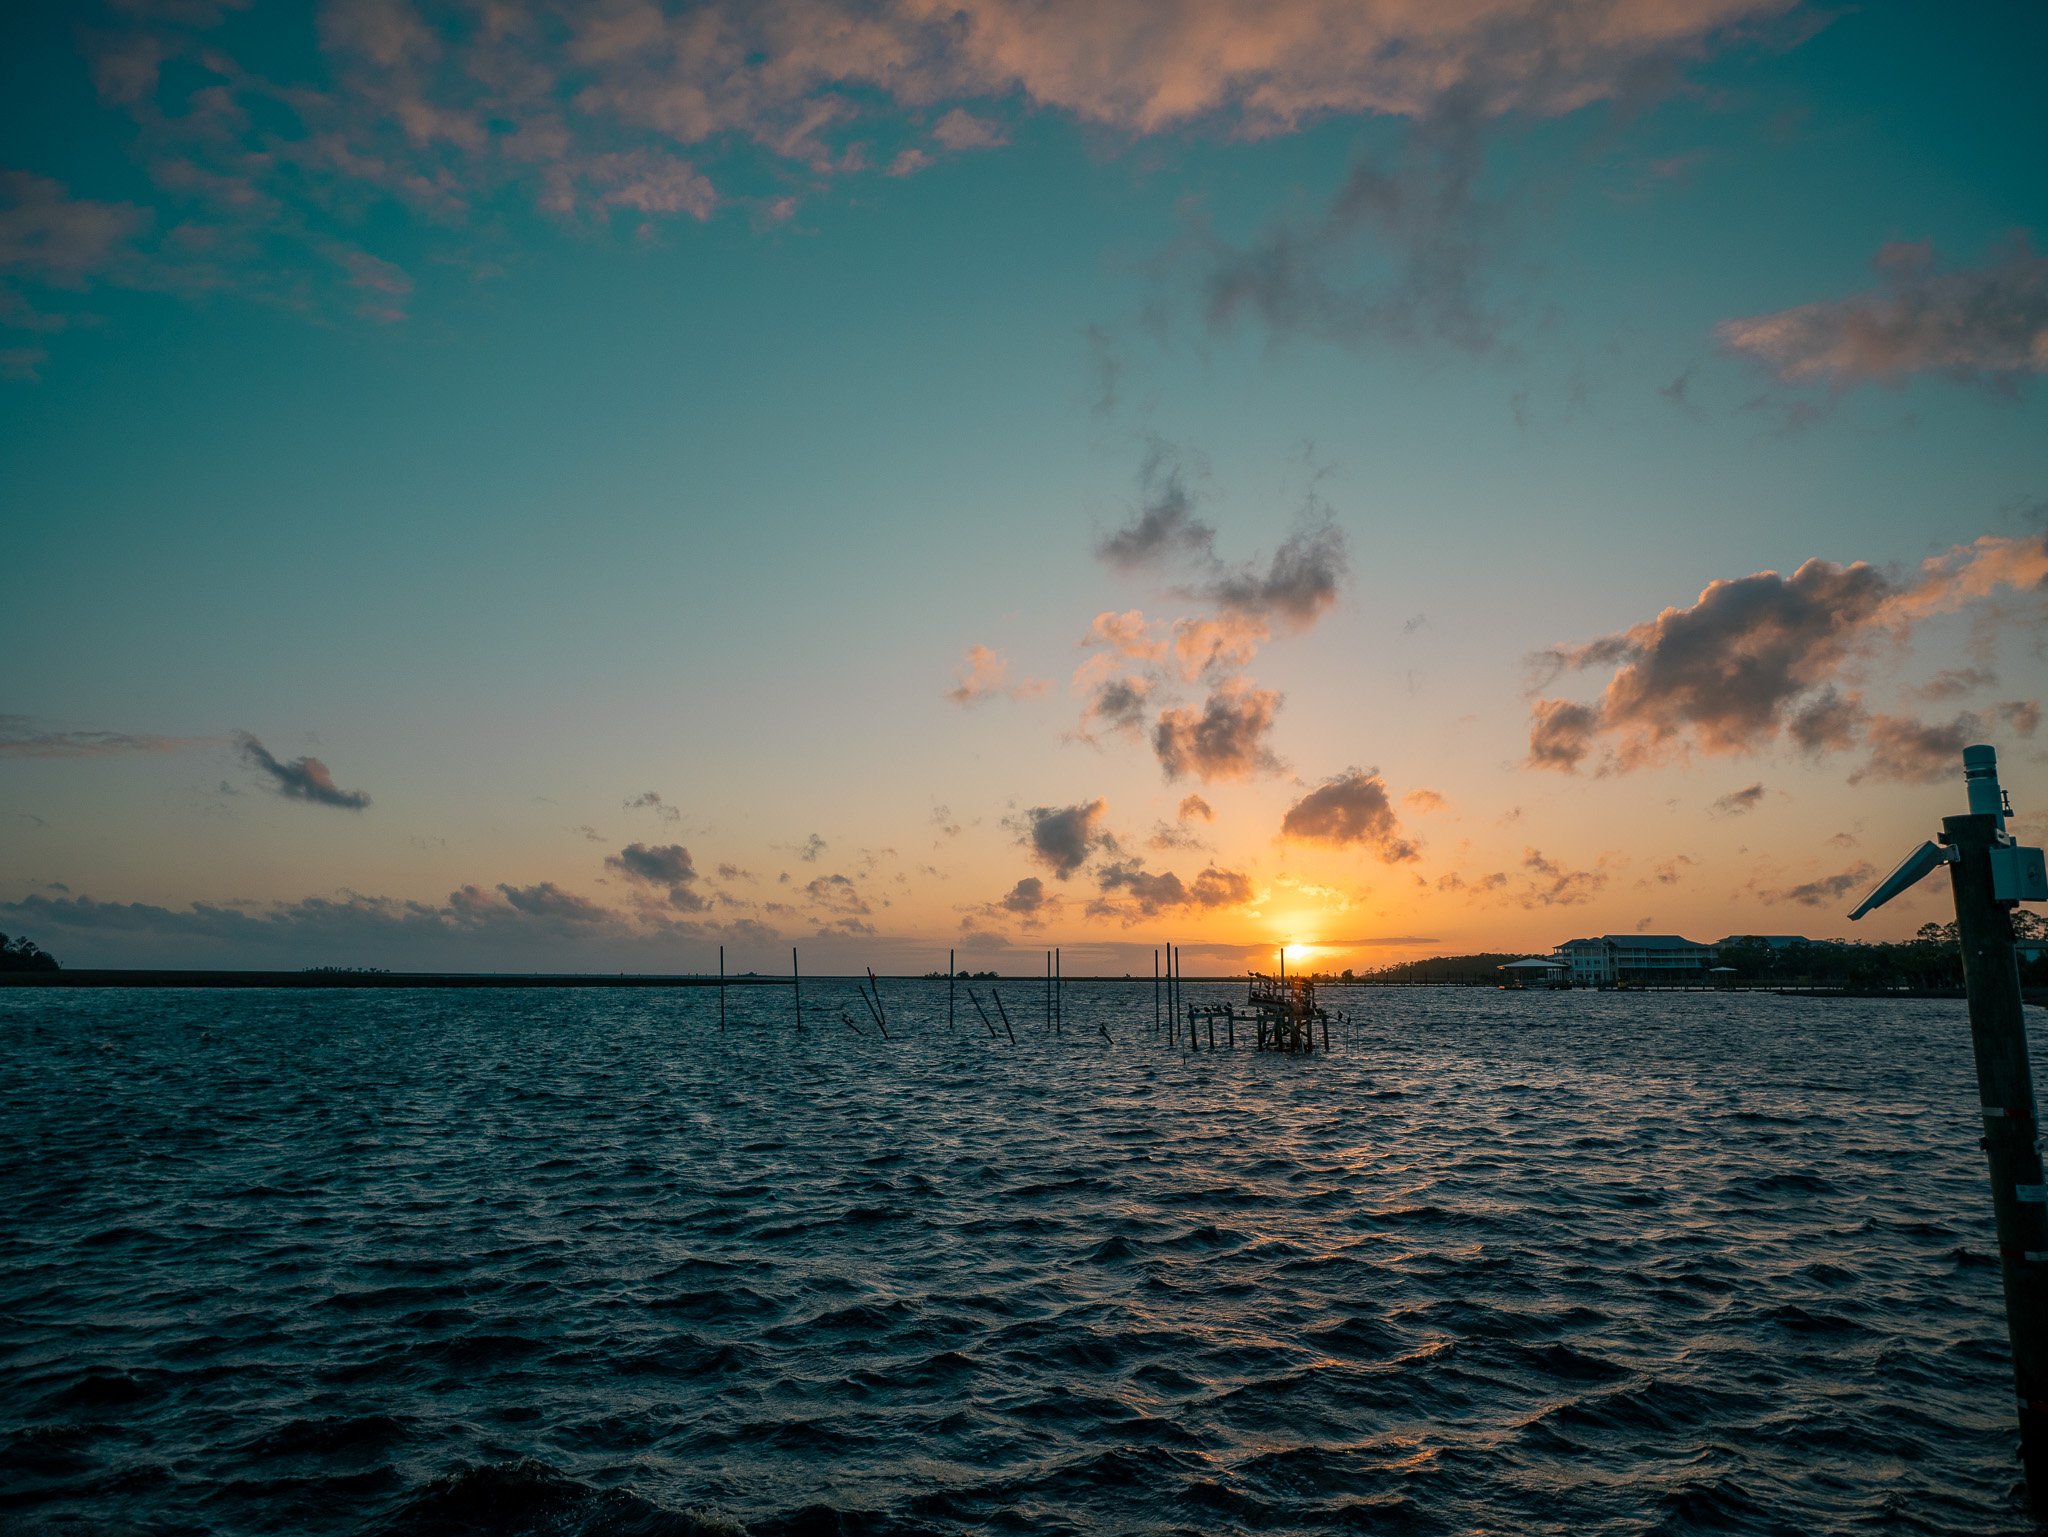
[1282, 1012]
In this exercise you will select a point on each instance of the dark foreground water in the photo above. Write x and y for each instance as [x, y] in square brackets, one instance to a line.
[575, 1263]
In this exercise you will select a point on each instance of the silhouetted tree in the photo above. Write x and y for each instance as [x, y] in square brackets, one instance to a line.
[25, 954]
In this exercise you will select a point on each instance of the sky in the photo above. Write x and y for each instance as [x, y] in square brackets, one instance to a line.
[500, 486]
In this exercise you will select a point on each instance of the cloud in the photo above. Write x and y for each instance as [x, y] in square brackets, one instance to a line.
[1145, 895]
[1737, 802]
[1555, 886]
[650, 113]
[1986, 324]
[809, 850]
[477, 927]
[985, 675]
[1026, 897]
[19, 738]
[1423, 800]
[1908, 751]
[1064, 838]
[1825, 891]
[1119, 704]
[650, 800]
[1293, 589]
[838, 894]
[546, 900]
[302, 779]
[1667, 872]
[962, 130]
[1758, 655]
[1125, 633]
[668, 865]
[51, 238]
[1193, 806]
[1311, 276]
[1226, 740]
[663, 865]
[1350, 809]
[1828, 721]
[1952, 682]
[1163, 528]
[1561, 733]
[1217, 647]
[1174, 835]
[1299, 584]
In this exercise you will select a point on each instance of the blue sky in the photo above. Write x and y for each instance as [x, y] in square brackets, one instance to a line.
[519, 422]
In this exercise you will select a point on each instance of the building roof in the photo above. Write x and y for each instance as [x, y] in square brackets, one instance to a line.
[1534, 963]
[1639, 942]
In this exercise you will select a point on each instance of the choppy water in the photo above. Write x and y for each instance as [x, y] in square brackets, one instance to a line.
[573, 1262]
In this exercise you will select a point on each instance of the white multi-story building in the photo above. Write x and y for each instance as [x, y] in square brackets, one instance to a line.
[1612, 958]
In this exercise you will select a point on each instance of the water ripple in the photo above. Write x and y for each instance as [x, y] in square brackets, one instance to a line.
[578, 1263]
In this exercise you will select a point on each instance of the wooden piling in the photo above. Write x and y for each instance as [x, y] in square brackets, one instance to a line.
[873, 1012]
[1005, 1013]
[796, 980]
[971, 998]
[1172, 1013]
[1059, 995]
[721, 987]
[882, 1014]
[950, 968]
[1155, 988]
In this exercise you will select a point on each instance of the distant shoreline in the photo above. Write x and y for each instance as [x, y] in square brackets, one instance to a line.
[502, 979]
[331, 979]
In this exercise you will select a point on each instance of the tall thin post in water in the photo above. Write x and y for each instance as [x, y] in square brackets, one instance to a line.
[975, 999]
[1048, 990]
[721, 987]
[1170, 1015]
[1005, 1014]
[1155, 988]
[950, 968]
[797, 981]
[1059, 995]
[2019, 1199]
[1990, 874]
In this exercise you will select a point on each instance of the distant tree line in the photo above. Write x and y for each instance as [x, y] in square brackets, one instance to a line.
[1483, 967]
[1932, 960]
[25, 954]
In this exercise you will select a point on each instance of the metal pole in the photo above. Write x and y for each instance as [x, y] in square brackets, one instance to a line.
[2005, 1084]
